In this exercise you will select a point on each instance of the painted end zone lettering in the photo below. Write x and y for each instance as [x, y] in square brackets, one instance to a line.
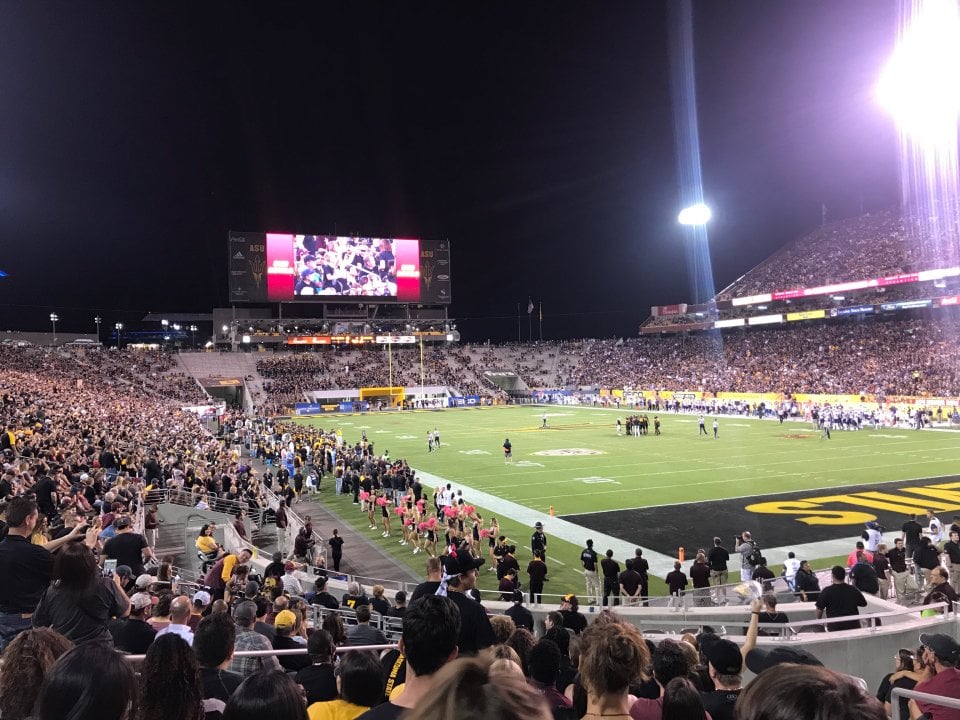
[778, 520]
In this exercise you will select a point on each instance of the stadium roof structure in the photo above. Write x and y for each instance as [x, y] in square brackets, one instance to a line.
[179, 317]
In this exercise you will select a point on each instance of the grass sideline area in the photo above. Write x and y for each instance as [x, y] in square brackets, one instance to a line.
[578, 464]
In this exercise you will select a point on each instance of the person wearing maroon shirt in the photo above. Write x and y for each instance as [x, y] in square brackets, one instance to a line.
[611, 574]
[537, 570]
[676, 580]
[629, 581]
[700, 577]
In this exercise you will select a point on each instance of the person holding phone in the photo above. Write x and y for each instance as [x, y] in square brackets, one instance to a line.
[79, 602]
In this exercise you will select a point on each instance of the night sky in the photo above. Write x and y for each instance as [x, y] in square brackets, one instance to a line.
[537, 137]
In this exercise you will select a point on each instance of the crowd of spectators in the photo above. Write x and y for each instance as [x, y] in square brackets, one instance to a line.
[449, 662]
[869, 246]
[884, 356]
[80, 460]
[877, 356]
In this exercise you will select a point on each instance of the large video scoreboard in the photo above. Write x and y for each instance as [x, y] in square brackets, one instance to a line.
[279, 267]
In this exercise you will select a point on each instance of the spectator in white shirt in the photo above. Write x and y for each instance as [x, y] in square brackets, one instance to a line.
[179, 617]
[291, 583]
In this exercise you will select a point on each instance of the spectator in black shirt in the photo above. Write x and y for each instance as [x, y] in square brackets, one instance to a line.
[611, 577]
[321, 596]
[399, 604]
[910, 534]
[573, 619]
[25, 568]
[763, 574]
[45, 491]
[518, 613]
[676, 580]
[127, 547]
[134, 634]
[864, 575]
[213, 644]
[926, 558]
[318, 678]
[840, 600]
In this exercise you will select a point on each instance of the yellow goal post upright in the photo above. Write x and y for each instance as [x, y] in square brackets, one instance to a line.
[393, 396]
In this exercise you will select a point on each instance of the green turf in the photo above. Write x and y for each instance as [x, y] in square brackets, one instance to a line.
[749, 458]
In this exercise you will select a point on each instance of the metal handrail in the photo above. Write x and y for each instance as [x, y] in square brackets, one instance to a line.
[217, 504]
[294, 524]
[899, 692]
[292, 651]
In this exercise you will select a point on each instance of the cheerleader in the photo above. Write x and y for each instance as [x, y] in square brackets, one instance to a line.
[430, 535]
[475, 536]
[493, 534]
[367, 501]
[384, 502]
[410, 525]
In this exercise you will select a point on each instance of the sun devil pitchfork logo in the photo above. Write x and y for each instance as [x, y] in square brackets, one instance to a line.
[257, 265]
[426, 272]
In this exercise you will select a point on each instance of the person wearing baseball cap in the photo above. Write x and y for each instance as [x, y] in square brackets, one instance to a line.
[761, 658]
[459, 578]
[725, 665]
[134, 634]
[248, 639]
[286, 624]
[941, 652]
[573, 619]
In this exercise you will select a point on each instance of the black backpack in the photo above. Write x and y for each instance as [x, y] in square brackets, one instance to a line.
[754, 556]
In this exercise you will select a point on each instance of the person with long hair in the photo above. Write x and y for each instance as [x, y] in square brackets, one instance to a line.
[789, 692]
[26, 661]
[207, 545]
[909, 671]
[681, 701]
[79, 603]
[612, 656]
[270, 694]
[90, 682]
[466, 689]
[333, 624]
[170, 687]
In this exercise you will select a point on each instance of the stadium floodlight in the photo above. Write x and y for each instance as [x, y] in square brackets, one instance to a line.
[698, 214]
[920, 85]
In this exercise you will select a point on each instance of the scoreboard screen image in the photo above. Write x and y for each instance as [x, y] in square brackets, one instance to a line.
[281, 267]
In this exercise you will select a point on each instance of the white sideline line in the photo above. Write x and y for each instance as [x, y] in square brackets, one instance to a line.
[660, 564]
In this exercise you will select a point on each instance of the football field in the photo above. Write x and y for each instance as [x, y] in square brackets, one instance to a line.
[788, 486]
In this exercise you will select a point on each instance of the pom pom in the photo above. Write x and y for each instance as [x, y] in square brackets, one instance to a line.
[423, 526]
[432, 523]
[381, 501]
[484, 534]
[398, 511]
[469, 509]
[364, 495]
[450, 512]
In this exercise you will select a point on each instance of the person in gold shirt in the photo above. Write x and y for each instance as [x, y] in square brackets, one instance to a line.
[208, 545]
[360, 686]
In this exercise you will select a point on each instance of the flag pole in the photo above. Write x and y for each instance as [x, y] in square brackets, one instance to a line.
[541, 321]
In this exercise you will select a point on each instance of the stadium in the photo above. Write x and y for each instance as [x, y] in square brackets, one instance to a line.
[309, 499]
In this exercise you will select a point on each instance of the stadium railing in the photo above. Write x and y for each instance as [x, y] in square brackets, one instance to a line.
[295, 651]
[294, 524]
[790, 630]
[939, 700]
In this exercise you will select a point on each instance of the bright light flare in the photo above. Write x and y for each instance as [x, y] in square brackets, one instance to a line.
[698, 214]
[920, 85]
